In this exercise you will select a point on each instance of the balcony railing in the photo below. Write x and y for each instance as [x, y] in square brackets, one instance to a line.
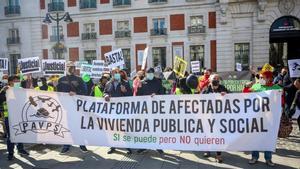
[89, 36]
[53, 38]
[120, 3]
[13, 40]
[196, 29]
[157, 1]
[12, 10]
[87, 4]
[122, 34]
[56, 7]
[160, 31]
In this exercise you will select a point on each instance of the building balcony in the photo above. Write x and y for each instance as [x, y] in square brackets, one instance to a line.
[53, 38]
[196, 29]
[157, 1]
[158, 32]
[89, 36]
[56, 7]
[121, 3]
[88, 4]
[12, 10]
[123, 34]
[13, 40]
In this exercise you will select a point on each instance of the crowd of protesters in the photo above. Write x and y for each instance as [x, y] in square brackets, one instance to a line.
[148, 82]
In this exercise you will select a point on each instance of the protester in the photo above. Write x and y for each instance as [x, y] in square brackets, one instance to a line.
[265, 83]
[279, 78]
[74, 86]
[182, 88]
[10, 145]
[29, 82]
[137, 81]
[117, 87]
[44, 86]
[204, 80]
[98, 89]
[215, 87]
[247, 87]
[150, 86]
[88, 83]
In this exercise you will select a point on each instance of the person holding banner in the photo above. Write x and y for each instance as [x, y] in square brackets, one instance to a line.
[44, 86]
[73, 85]
[265, 83]
[215, 87]
[117, 87]
[10, 145]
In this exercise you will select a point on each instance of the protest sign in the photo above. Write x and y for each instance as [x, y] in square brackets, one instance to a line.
[195, 66]
[79, 63]
[114, 58]
[294, 67]
[238, 67]
[86, 69]
[145, 56]
[29, 65]
[234, 122]
[97, 68]
[180, 66]
[140, 54]
[53, 67]
[3, 64]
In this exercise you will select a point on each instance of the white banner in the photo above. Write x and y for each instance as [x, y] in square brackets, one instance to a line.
[53, 67]
[29, 65]
[234, 122]
[3, 64]
[114, 58]
[97, 68]
[294, 67]
[195, 66]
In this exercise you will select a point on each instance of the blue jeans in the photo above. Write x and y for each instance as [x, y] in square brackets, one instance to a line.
[9, 144]
[268, 155]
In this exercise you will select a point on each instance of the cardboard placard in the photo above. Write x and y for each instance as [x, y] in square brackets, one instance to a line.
[180, 66]
[195, 66]
[97, 68]
[53, 67]
[114, 58]
[294, 67]
[3, 64]
[86, 69]
[29, 65]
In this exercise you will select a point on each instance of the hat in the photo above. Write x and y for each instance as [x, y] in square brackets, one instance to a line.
[86, 77]
[70, 64]
[150, 70]
[267, 70]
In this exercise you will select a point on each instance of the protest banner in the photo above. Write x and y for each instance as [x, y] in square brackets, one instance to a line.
[53, 67]
[97, 68]
[294, 67]
[79, 63]
[195, 66]
[114, 58]
[234, 122]
[180, 66]
[3, 64]
[145, 56]
[29, 65]
[86, 69]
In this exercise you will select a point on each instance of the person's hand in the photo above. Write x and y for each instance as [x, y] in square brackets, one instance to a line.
[223, 93]
[123, 89]
[153, 94]
[107, 98]
[72, 93]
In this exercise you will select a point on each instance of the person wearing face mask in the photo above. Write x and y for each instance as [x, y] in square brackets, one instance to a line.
[150, 86]
[10, 145]
[42, 85]
[204, 80]
[117, 87]
[74, 86]
[215, 87]
[137, 81]
[265, 83]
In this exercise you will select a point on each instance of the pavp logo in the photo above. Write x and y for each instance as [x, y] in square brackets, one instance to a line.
[41, 114]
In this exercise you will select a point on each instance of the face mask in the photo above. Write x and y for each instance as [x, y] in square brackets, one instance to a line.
[40, 84]
[262, 81]
[215, 82]
[117, 76]
[150, 76]
[17, 85]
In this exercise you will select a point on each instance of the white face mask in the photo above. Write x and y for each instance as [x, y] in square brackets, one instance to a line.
[40, 84]
[262, 81]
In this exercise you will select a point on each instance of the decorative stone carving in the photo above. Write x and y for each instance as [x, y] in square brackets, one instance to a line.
[286, 6]
[262, 4]
[223, 7]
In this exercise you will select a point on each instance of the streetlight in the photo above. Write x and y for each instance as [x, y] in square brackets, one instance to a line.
[66, 17]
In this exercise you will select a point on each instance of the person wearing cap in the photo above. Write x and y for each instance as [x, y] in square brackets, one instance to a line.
[10, 145]
[265, 83]
[150, 86]
[88, 83]
[44, 86]
[117, 87]
[74, 86]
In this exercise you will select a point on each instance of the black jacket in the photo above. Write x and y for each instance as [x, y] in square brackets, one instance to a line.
[151, 86]
[72, 83]
[220, 89]
[115, 91]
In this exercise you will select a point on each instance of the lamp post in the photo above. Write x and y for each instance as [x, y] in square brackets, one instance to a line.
[66, 17]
